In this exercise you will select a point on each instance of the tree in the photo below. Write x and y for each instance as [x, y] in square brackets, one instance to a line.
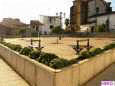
[67, 22]
[57, 30]
[22, 32]
[101, 28]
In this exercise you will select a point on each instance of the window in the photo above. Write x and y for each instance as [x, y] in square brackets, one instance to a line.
[97, 10]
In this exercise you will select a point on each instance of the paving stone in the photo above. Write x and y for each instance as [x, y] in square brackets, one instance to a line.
[8, 77]
[107, 75]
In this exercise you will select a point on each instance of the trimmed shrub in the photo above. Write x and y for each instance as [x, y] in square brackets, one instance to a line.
[11, 46]
[35, 54]
[83, 55]
[26, 51]
[110, 46]
[59, 63]
[73, 61]
[46, 58]
[2, 42]
[95, 51]
[17, 48]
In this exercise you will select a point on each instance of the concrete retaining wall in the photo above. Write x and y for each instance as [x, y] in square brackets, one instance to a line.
[34, 73]
[37, 74]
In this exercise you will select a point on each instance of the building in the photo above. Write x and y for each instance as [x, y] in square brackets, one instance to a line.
[88, 9]
[49, 22]
[5, 31]
[83, 13]
[106, 18]
[36, 26]
[14, 24]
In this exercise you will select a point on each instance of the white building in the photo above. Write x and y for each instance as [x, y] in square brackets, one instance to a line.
[49, 22]
[102, 19]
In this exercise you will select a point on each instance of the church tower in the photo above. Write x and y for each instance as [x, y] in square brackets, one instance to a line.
[78, 14]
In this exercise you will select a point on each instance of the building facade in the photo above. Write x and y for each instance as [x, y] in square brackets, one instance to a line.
[49, 22]
[13, 25]
[88, 8]
[36, 26]
[103, 18]
[5, 31]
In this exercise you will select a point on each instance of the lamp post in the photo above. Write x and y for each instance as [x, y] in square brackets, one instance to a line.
[39, 40]
[31, 41]
[61, 16]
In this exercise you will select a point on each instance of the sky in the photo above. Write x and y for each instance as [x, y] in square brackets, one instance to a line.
[28, 10]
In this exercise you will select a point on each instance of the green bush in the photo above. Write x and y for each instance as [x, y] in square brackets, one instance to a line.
[59, 63]
[3, 42]
[35, 54]
[11, 46]
[110, 46]
[46, 58]
[73, 61]
[14, 47]
[57, 30]
[83, 55]
[26, 51]
[17, 48]
[95, 51]
[34, 34]
[101, 28]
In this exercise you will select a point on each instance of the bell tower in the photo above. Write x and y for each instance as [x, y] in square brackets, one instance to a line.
[78, 17]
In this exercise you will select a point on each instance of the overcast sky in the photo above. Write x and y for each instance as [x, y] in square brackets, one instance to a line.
[31, 9]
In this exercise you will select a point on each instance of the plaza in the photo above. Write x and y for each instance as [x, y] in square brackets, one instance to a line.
[57, 43]
[64, 48]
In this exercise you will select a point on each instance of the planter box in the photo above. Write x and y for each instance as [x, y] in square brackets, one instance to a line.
[37, 74]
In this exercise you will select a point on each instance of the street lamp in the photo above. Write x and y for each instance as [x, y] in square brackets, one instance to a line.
[61, 16]
[31, 41]
[39, 40]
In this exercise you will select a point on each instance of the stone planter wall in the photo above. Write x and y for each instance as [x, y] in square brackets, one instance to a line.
[37, 74]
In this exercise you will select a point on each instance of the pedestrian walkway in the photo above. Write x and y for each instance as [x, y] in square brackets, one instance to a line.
[107, 75]
[8, 77]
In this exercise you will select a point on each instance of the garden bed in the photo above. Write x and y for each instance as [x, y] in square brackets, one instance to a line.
[38, 74]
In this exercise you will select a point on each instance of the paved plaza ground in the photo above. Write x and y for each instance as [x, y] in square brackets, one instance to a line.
[107, 75]
[8, 77]
[64, 48]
